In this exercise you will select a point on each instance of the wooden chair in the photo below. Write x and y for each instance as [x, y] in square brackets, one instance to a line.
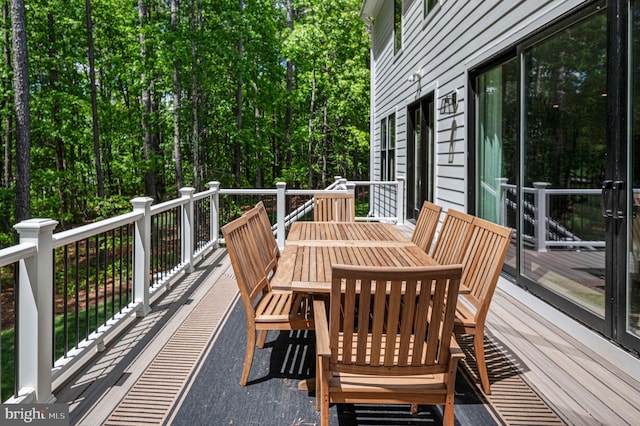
[265, 241]
[334, 207]
[426, 225]
[453, 238]
[482, 265]
[265, 309]
[389, 337]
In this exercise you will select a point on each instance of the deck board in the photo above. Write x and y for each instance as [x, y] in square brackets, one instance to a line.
[581, 386]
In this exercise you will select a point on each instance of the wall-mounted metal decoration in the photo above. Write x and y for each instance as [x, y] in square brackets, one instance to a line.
[449, 103]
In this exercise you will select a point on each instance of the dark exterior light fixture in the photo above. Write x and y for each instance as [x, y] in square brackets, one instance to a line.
[449, 104]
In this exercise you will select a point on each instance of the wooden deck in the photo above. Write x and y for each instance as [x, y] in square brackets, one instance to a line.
[586, 383]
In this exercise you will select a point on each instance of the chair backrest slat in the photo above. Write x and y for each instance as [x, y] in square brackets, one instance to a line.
[398, 318]
[245, 259]
[483, 261]
[334, 207]
[426, 225]
[266, 243]
[453, 238]
[266, 227]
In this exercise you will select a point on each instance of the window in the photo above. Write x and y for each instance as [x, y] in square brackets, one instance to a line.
[388, 148]
[397, 25]
[429, 5]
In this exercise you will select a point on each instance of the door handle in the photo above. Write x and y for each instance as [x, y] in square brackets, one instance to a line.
[619, 194]
[607, 198]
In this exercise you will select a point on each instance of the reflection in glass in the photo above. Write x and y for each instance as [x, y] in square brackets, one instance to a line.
[633, 283]
[564, 148]
[497, 140]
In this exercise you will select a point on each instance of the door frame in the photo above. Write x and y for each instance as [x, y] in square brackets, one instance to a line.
[428, 164]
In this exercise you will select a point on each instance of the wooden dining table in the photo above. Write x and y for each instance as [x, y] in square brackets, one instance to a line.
[313, 247]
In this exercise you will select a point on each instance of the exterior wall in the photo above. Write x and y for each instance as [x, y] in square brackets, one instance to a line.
[444, 47]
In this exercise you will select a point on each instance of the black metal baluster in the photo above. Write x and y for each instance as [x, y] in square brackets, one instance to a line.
[87, 289]
[113, 273]
[53, 295]
[16, 328]
[120, 257]
[128, 262]
[105, 275]
[77, 294]
[97, 282]
[163, 244]
[65, 298]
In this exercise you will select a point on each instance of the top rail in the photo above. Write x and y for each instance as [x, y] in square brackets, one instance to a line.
[16, 253]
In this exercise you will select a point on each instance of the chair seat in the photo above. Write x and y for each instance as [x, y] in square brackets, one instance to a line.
[278, 307]
[354, 383]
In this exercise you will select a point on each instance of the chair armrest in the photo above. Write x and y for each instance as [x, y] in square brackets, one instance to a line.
[455, 350]
[322, 328]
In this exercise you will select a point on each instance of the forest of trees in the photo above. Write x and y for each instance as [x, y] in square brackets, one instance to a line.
[108, 100]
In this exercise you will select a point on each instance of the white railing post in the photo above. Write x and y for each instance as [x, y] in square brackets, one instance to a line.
[35, 310]
[142, 255]
[187, 228]
[214, 216]
[351, 188]
[400, 201]
[541, 215]
[281, 213]
[501, 201]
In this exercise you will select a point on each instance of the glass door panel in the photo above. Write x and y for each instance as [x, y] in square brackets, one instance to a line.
[420, 158]
[631, 319]
[564, 159]
[497, 141]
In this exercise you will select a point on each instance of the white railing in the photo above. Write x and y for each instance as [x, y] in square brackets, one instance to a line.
[37, 373]
[536, 213]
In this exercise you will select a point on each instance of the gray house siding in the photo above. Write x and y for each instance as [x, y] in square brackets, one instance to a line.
[443, 47]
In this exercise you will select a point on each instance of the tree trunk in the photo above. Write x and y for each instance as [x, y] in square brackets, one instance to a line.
[194, 95]
[238, 139]
[310, 129]
[177, 158]
[94, 102]
[325, 127]
[57, 121]
[289, 111]
[21, 100]
[147, 150]
[8, 128]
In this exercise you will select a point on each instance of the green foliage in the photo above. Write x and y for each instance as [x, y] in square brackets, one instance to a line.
[230, 63]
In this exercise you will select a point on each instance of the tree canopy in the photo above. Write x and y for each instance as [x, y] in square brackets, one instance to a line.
[143, 97]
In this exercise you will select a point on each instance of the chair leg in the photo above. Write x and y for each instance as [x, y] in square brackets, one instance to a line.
[262, 337]
[478, 347]
[248, 358]
[318, 383]
[448, 418]
[324, 409]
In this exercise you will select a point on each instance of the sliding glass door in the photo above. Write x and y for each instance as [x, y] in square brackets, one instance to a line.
[630, 295]
[557, 158]
[563, 166]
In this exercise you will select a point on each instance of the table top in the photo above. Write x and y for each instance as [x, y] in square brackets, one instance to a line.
[311, 250]
[345, 231]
